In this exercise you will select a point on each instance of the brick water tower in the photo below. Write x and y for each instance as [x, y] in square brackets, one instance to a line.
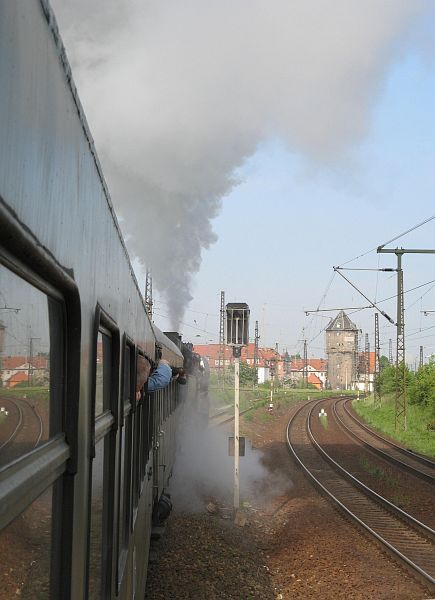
[342, 350]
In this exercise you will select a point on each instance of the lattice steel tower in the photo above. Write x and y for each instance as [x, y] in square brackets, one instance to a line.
[376, 390]
[401, 401]
[305, 372]
[221, 360]
[367, 364]
[149, 294]
[256, 340]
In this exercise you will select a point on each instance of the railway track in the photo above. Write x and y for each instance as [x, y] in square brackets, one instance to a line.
[406, 538]
[224, 416]
[414, 463]
[26, 433]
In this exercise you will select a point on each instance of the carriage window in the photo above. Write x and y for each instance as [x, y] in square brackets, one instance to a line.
[126, 470]
[104, 368]
[102, 467]
[30, 366]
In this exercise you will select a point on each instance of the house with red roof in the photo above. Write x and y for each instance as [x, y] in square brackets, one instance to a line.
[18, 369]
[268, 360]
[317, 367]
[315, 381]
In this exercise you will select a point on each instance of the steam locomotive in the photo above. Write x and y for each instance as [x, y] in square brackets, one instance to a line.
[84, 462]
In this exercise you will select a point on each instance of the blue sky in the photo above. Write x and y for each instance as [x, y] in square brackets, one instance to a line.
[288, 222]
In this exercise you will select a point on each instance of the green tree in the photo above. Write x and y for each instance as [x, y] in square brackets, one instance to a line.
[383, 362]
[387, 379]
[422, 389]
[247, 374]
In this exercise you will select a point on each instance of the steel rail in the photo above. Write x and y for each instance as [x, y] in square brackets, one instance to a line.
[21, 421]
[214, 421]
[38, 418]
[413, 548]
[17, 428]
[367, 490]
[425, 468]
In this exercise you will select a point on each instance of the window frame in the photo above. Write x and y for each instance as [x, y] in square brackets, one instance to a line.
[126, 436]
[104, 427]
[55, 462]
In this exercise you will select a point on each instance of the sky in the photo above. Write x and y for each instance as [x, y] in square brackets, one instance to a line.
[251, 147]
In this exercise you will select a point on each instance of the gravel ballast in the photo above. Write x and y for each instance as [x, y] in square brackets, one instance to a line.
[293, 545]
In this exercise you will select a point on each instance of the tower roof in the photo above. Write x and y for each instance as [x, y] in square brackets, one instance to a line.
[341, 323]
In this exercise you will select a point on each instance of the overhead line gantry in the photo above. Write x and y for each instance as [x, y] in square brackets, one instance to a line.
[401, 400]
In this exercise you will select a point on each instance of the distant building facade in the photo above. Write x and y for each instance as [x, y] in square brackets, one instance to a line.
[342, 351]
[367, 368]
[270, 363]
[268, 360]
[17, 370]
[316, 369]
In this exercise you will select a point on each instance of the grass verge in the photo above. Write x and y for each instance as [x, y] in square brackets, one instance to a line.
[417, 437]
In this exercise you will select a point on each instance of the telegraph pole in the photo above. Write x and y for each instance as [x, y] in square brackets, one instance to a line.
[390, 351]
[421, 357]
[401, 408]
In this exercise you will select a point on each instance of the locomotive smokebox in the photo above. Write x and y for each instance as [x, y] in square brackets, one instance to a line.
[237, 324]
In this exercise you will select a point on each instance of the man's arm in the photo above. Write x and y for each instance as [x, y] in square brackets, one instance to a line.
[161, 377]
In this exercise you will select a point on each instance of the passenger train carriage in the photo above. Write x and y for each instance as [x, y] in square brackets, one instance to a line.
[84, 461]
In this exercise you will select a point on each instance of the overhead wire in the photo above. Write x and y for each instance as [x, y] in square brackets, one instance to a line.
[408, 231]
[389, 241]
[322, 299]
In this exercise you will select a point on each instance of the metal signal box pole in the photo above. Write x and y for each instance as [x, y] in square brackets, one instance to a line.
[237, 337]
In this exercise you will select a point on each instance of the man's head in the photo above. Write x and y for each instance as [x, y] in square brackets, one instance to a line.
[143, 368]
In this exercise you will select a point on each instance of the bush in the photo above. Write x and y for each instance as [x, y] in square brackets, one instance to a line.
[422, 389]
[387, 380]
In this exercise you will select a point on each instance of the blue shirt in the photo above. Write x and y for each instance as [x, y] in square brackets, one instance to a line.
[160, 378]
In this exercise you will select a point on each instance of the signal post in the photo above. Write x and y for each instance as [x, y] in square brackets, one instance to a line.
[237, 316]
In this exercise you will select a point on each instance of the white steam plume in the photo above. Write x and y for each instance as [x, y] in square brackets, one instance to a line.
[178, 94]
[204, 470]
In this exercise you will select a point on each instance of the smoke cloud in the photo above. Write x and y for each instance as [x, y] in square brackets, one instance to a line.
[204, 470]
[179, 94]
